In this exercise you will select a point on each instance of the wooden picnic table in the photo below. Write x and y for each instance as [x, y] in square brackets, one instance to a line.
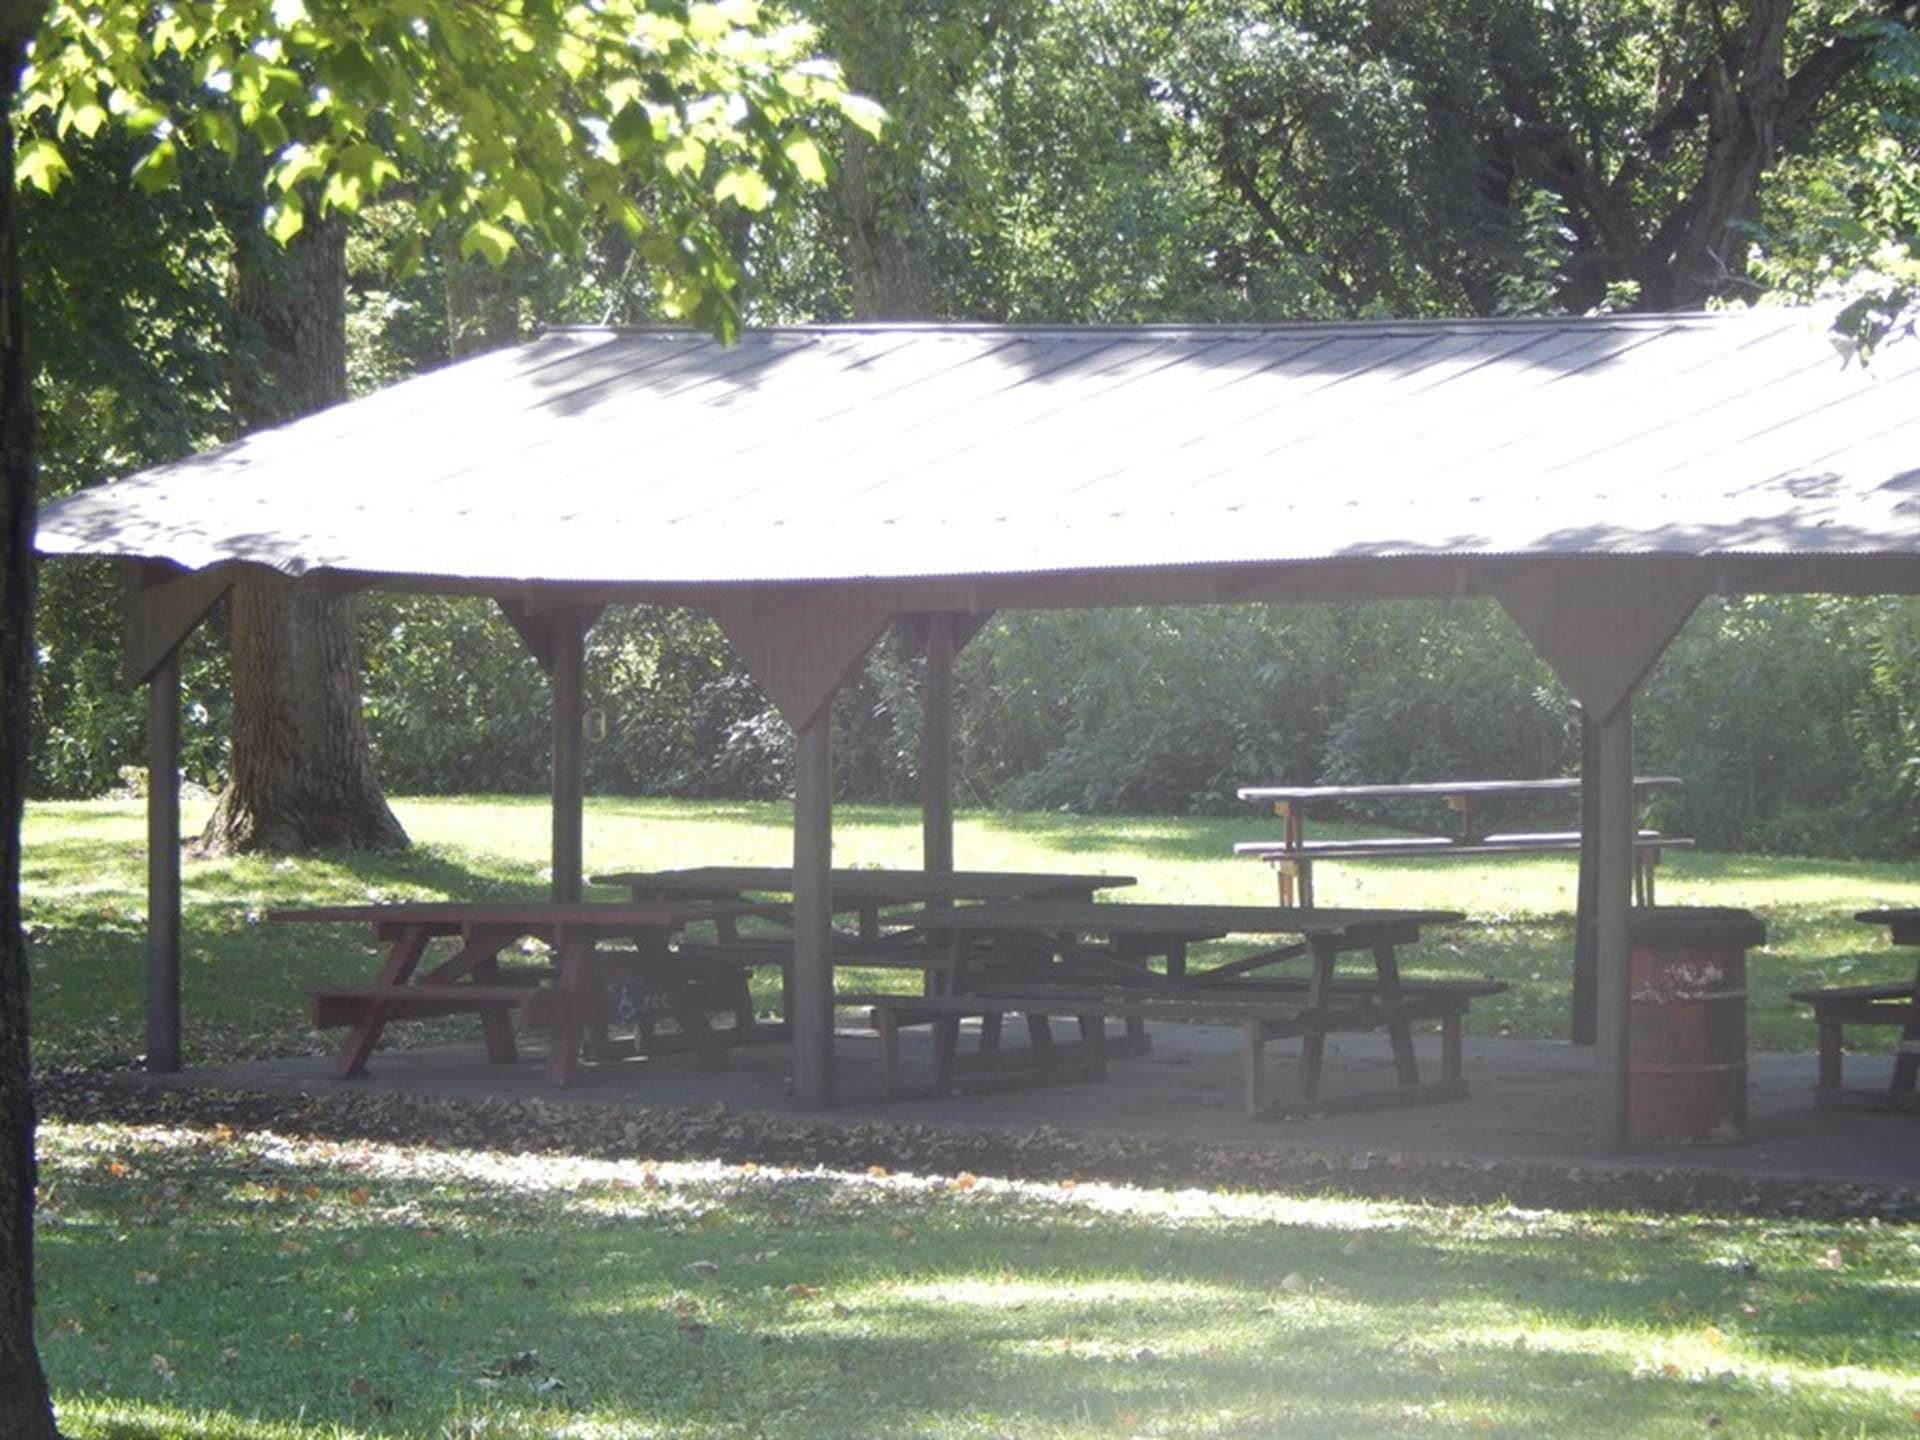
[1293, 854]
[1896, 1004]
[864, 892]
[567, 998]
[1091, 961]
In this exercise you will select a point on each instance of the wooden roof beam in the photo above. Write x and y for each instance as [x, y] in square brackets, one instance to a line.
[164, 605]
[801, 642]
[1601, 624]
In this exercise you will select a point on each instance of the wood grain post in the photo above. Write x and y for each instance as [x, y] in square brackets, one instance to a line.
[163, 866]
[1612, 913]
[812, 1017]
[936, 747]
[569, 691]
[1585, 936]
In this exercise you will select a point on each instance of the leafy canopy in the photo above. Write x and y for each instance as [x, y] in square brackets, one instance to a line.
[492, 118]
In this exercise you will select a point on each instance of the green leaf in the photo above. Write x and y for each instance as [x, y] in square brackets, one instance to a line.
[216, 127]
[298, 165]
[868, 115]
[746, 186]
[483, 237]
[686, 156]
[285, 218]
[158, 167]
[41, 165]
[805, 157]
[406, 260]
[84, 113]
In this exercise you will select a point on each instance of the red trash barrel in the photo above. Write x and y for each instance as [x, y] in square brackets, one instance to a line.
[1687, 1025]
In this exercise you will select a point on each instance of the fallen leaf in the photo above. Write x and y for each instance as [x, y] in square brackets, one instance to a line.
[358, 1195]
[1294, 1282]
[146, 1277]
[900, 1230]
[163, 1368]
[703, 1267]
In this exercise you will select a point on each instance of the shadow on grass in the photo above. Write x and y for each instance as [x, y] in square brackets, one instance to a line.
[301, 1287]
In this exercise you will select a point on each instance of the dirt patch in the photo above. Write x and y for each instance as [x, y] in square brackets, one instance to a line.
[716, 1133]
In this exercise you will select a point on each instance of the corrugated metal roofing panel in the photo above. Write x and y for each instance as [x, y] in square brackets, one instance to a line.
[910, 452]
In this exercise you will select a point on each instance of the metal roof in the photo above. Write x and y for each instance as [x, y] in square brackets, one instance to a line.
[648, 460]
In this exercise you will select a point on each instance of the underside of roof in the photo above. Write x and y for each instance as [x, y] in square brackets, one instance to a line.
[973, 461]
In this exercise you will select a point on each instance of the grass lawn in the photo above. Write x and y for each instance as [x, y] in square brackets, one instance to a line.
[85, 883]
[262, 1286]
[206, 1283]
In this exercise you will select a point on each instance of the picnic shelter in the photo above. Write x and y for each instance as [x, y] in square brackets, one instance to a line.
[811, 486]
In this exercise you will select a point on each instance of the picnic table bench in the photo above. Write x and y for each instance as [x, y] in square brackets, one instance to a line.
[1293, 855]
[866, 894]
[1896, 1004]
[569, 997]
[1090, 962]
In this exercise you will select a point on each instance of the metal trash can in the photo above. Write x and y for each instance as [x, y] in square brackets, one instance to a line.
[1687, 1026]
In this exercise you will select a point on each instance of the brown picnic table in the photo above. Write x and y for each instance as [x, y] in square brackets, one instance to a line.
[865, 893]
[1090, 962]
[568, 998]
[1896, 1005]
[1293, 855]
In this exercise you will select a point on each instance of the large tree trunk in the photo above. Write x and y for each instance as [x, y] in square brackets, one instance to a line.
[881, 184]
[300, 776]
[26, 1412]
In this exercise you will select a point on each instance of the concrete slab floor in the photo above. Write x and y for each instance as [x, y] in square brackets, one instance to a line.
[1529, 1103]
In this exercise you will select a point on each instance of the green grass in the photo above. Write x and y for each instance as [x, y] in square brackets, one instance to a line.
[268, 1287]
[243, 981]
[213, 1284]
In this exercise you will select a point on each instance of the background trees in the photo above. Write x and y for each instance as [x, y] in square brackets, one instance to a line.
[1110, 160]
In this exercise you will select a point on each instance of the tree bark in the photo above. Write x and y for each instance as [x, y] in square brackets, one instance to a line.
[300, 776]
[882, 184]
[26, 1410]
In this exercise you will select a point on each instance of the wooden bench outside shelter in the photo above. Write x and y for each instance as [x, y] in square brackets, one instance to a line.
[1293, 855]
[1897, 1005]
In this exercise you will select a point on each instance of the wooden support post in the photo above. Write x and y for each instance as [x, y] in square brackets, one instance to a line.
[569, 689]
[936, 747]
[812, 1017]
[163, 865]
[1585, 936]
[1617, 822]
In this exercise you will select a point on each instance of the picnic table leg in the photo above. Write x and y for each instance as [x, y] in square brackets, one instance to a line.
[495, 1024]
[1040, 1037]
[1256, 1069]
[1387, 967]
[946, 1043]
[403, 958]
[1093, 1041]
[1830, 1061]
[563, 1059]
[1313, 1044]
[1906, 1063]
[888, 1024]
[990, 1041]
[1450, 1066]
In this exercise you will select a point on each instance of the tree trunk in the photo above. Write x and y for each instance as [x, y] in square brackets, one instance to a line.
[882, 196]
[881, 184]
[300, 776]
[26, 1411]
[483, 305]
